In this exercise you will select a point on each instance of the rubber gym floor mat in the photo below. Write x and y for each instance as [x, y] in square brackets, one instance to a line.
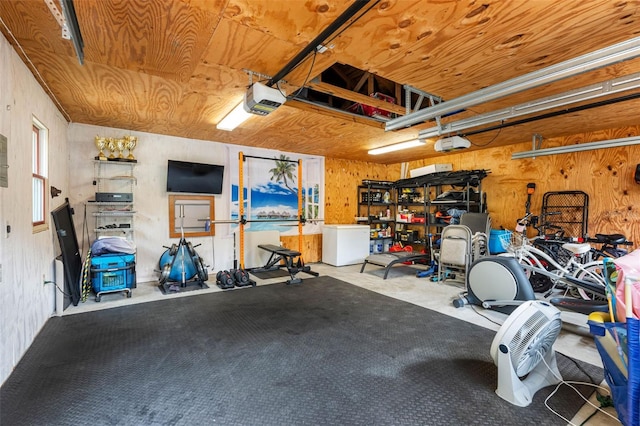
[175, 287]
[276, 273]
[324, 352]
[265, 275]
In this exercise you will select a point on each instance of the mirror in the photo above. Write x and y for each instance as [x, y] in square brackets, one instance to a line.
[193, 213]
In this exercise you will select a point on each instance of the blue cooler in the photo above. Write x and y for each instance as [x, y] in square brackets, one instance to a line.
[113, 272]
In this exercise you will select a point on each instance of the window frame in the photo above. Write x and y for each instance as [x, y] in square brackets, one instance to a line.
[175, 201]
[39, 180]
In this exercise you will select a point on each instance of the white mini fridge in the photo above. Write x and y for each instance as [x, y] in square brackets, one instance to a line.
[345, 244]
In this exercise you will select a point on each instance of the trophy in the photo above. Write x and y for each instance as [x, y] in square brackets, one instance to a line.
[130, 144]
[100, 143]
[120, 145]
[111, 145]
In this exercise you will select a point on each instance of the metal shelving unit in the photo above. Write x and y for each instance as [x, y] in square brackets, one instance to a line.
[376, 208]
[423, 195]
[114, 218]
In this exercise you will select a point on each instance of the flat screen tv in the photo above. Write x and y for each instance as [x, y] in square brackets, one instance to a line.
[197, 178]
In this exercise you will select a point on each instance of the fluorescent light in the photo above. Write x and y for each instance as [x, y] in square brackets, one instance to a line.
[612, 143]
[626, 50]
[397, 147]
[236, 117]
[605, 88]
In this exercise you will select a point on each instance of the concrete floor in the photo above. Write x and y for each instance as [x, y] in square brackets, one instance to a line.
[574, 341]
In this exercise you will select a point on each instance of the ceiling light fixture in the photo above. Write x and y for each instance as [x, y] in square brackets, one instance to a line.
[610, 55]
[397, 147]
[236, 117]
[611, 143]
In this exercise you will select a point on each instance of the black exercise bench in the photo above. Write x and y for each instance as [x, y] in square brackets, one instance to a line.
[288, 256]
[388, 259]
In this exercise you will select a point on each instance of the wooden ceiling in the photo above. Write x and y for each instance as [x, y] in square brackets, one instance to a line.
[178, 67]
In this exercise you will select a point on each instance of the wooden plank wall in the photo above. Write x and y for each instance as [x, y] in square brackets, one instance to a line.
[606, 175]
[342, 178]
[311, 246]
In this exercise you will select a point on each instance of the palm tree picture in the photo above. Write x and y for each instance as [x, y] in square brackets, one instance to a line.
[284, 172]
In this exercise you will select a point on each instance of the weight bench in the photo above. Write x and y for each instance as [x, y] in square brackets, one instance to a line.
[279, 254]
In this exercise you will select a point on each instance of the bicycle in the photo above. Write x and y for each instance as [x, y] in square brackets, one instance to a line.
[584, 279]
[608, 246]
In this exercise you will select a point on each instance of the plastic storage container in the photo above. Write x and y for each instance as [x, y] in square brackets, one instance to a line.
[113, 272]
[619, 348]
[499, 241]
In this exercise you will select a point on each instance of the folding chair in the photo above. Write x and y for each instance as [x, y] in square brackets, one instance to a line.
[455, 254]
[480, 226]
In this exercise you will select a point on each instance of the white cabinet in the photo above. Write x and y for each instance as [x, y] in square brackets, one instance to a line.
[345, 244]
[113, 205]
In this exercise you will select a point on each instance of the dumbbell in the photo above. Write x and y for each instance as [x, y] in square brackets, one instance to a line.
[224, 279]
[242, 278]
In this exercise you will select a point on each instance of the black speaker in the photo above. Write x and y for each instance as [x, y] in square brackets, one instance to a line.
[637, 175]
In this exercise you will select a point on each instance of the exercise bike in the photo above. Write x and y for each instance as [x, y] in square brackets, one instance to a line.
[501, 282]
[498, 283]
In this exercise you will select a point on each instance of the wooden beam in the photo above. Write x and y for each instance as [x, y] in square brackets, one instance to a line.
[363, 80]
[318, 109]
[399, 99]
[332, 90]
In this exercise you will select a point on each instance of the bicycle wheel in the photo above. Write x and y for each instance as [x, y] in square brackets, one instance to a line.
[539, 282]
[592, 272]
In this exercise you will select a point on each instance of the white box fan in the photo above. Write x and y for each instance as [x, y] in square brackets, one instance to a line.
[524, 347]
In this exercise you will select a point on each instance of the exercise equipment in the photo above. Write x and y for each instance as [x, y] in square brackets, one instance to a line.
[241, 214]
[496, 282]
[286, 255]
[234, 278]
[394, 256]
[224, 280]
[181, 263]
[242, 279]
[292, 261]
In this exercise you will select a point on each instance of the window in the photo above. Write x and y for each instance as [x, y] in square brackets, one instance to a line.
[312, 202]
[39, 175]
